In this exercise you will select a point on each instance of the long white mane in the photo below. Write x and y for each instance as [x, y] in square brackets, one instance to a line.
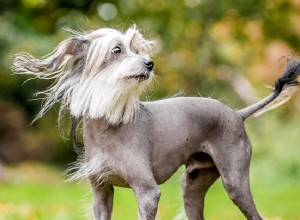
[87, 80]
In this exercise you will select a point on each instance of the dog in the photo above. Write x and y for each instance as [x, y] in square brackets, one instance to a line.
[98, 78]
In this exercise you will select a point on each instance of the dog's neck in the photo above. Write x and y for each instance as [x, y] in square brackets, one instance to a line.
[122, 110]
[105, 102]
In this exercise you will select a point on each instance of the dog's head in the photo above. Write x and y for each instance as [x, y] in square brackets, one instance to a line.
[98, 74]
[122, 56]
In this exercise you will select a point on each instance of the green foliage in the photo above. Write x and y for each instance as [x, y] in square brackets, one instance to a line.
[39, 194]
[275, 148]
[203, 47]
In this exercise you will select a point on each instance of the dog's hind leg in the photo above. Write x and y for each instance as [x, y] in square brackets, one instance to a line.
[103, 202]
[232, 162]
[197, 179]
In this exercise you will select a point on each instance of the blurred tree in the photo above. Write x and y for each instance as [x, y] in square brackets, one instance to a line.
[219, 48]
[12, 134]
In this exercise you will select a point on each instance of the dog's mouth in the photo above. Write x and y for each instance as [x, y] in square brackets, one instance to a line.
[140, 78]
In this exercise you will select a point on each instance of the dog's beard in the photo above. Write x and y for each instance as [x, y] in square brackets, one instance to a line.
[112, 94]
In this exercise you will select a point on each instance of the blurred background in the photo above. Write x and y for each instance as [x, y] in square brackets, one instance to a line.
[228, 50]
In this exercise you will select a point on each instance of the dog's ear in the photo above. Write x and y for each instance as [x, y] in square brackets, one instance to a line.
[63, 65]
[74, 47]
[71, 49]
[138, 42]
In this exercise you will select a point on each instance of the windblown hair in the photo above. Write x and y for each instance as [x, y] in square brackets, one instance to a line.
[84, 168]
[88, 80]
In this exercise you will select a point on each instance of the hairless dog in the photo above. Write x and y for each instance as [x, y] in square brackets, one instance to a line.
[99, 76]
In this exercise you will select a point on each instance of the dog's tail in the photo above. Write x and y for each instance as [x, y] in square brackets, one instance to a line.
[285, 86]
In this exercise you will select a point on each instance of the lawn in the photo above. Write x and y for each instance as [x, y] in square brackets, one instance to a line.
[35, 191]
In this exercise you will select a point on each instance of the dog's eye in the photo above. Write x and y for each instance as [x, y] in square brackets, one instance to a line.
[116, 50]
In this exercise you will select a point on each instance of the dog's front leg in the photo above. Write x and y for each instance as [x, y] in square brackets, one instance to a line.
[103, 202]
[147, 195]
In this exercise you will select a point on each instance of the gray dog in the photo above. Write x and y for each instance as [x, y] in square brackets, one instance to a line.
[98, 77]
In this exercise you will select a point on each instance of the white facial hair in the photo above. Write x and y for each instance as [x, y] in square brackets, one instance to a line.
[89, 80]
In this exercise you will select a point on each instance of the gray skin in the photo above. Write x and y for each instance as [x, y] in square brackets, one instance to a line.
[203, 134]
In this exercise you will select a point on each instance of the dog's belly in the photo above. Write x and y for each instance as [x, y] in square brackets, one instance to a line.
[116, 180]
[165, 166]
[196, 161]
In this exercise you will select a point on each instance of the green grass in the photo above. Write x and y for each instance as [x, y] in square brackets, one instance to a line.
[40, 193]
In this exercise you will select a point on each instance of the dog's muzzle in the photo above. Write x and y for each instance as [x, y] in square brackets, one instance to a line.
[148, 64]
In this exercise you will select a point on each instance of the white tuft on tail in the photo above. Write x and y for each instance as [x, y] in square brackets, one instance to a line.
[282, 98]
[285, 87]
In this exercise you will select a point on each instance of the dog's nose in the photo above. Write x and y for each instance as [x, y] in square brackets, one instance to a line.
[149, 64]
